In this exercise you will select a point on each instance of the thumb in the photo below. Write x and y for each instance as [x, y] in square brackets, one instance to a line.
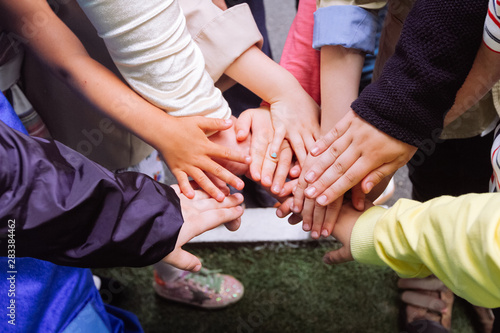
[339, 256]
[233, 225]
[214, 124]
[377, 175]
[243, 125]
[183, 260]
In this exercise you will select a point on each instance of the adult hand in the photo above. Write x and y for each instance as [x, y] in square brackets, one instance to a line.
[201, 214]
[353, 151]
[191, 155]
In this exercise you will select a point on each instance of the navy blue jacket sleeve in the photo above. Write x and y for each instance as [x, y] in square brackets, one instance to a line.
[69, 210]
[418, 84]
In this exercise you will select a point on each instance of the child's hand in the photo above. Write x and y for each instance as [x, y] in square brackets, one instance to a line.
[320, 220]
[201, 214]
[295, 117]
[352, 152]
[227, 138]
[271, 172]
[189, 153]
[342, 232]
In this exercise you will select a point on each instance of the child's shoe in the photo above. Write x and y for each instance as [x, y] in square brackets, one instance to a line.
[206, 289]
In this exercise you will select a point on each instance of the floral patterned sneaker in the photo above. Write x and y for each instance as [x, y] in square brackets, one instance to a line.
[205, 289]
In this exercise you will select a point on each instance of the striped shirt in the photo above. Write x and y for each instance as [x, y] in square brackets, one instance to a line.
[491, 35]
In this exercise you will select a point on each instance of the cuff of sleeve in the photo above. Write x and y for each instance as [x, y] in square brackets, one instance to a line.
[362, 241]
[223, 39]
[348, 26]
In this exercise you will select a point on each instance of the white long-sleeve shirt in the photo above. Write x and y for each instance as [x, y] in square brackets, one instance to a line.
[151, 47]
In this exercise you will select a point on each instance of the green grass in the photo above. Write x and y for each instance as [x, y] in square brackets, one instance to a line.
[287, 289]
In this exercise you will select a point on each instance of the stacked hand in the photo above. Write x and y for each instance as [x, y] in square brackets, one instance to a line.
[295, 117]
[201, 214]
[352, 152]
[353, 155]
[193, 155]
[271, 171]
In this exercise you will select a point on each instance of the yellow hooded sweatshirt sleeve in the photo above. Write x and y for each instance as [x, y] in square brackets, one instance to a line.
[456, 239]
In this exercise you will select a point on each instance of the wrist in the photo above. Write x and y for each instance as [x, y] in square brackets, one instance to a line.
[289, 90]
[362, 237]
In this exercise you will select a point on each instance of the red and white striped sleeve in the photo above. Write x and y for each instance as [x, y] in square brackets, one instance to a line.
[491, 35]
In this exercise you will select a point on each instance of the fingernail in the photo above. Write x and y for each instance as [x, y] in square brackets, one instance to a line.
[310, 191]
[257, 176]
[306, 227]
[322, 200]
[325, 233]
[220, 197]
[292, 207]
[240, 133]
[276, 189]
[369, 186]
[196, 268]
[274, 155]
[314, 235]
[228, 121]
[279, 213]
[294, 189]
[248, 159]
[326, 260]
[315, 150]
[310, 176]
[267, 181]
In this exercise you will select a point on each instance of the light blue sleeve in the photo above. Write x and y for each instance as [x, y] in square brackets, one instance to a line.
[347, 26]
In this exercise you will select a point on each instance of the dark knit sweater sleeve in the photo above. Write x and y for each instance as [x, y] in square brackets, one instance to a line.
[419, 82]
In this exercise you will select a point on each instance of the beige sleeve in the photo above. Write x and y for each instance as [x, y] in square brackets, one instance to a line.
[221, 35]
[366, 4]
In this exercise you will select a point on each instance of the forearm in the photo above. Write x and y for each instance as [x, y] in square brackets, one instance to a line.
[455, 239]
[485, 72]
[340, 76]
[92, 81]
[108, 94]
[270, 82]
[71, 211]
[419, 82]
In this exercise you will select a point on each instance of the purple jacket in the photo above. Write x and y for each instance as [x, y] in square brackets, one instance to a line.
[70, 211]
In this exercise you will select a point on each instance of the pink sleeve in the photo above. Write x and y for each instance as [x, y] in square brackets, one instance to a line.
[298, 57]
